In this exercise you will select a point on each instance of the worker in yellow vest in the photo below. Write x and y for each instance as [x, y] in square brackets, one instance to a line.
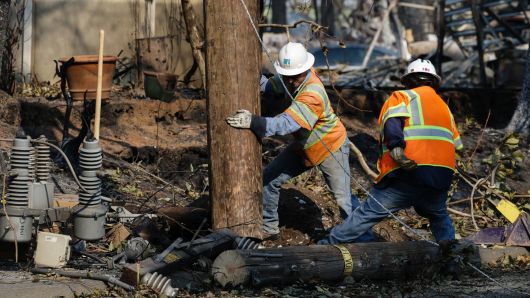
[320, 136]
[418, 139]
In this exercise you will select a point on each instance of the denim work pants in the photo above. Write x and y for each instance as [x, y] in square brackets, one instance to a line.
[428, 202]
[289, 164]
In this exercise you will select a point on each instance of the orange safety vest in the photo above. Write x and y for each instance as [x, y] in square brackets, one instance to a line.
[312, 110]
[430, 131]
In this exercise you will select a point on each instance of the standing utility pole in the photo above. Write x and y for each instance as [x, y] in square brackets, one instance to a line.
[476, 10]
[440, 22]
[232, 76]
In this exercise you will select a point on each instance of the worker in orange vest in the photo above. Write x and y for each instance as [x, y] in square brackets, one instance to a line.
[418, 139]
[320, 136]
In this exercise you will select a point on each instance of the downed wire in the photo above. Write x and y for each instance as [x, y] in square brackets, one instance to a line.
[85, 274]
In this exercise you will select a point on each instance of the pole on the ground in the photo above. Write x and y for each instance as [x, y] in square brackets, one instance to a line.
[375, 260]
[232, 75]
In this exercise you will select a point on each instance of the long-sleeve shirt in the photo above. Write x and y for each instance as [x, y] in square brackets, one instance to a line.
[282, 124]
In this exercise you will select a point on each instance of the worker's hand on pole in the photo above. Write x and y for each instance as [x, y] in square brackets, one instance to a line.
[398, 155]
[241, 119]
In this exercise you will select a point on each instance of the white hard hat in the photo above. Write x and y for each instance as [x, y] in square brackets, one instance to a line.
[293, 59]
[421, 66]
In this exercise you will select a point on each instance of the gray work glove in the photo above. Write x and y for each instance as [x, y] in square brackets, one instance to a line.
[241, 119]
[398, 155]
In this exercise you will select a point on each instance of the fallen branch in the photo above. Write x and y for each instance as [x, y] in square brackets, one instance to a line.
[361, 160]
[471, 206]
[465, 214]
[84, 274]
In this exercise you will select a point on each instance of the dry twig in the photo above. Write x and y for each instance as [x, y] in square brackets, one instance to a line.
[480, 138]
[361, 160]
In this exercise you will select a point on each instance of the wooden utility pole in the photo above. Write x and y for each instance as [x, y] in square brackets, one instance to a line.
[476, 10]
[375, 260]
[440, 31]
[232, 76]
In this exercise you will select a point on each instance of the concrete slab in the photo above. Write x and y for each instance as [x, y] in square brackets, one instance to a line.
[22, 284]
[494, 255]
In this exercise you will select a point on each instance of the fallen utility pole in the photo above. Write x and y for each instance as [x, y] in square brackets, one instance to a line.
[232, 75]
[377, 260]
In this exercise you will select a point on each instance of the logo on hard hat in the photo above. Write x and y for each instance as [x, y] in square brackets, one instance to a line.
[286, 62]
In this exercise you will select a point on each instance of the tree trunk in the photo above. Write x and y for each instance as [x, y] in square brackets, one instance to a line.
[233, 70]
[327, 15]
[520, 122]
[195, 37]
[279, 14]
[376, 260]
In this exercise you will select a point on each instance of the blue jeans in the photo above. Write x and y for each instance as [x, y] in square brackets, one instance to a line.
[428, 202]
[289, 164]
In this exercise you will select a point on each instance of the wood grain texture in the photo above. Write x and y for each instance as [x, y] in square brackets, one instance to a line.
[233, 70]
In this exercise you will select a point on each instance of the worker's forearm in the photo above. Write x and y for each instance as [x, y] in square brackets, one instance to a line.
[282, 124]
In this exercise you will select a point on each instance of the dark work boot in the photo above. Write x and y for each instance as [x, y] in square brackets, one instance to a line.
[451, 260]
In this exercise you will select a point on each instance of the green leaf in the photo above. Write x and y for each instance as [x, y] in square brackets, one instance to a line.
[512, 140]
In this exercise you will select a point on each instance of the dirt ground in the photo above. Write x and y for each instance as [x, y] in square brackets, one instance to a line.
[147, 143]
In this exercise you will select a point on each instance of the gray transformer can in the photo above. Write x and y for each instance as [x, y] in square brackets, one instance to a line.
[15, 223]
[90, 214]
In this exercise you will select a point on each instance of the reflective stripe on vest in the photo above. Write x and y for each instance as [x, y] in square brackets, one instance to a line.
[415, 107]
[305, 113]
[330, 119]
[301, 109]
[322, 131]
[400, 110]
[458, 143]
[428, 132]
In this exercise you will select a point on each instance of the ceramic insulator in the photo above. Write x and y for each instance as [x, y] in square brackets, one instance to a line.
[32, 163]
[159, 283]
[42, 160]
[90, 161]
[18, 189]
[245, 243]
